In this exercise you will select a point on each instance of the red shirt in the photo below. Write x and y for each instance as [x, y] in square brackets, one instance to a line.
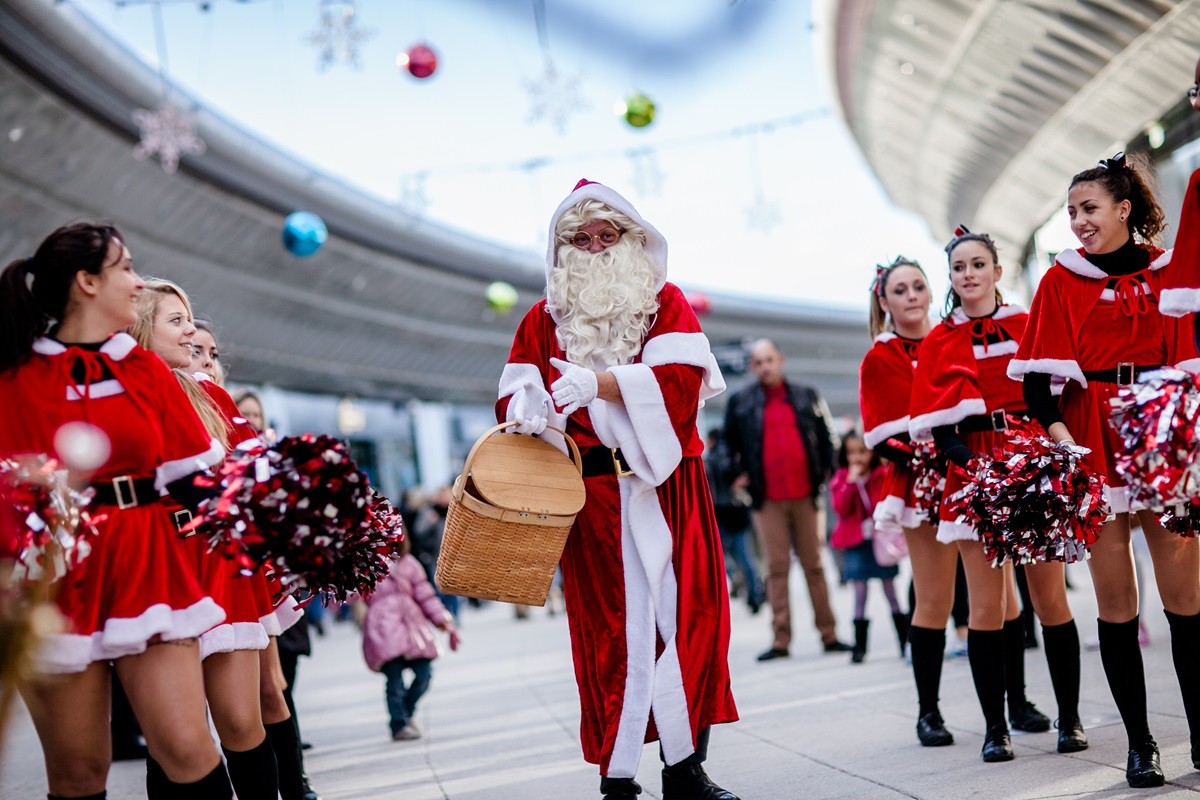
[785, 461]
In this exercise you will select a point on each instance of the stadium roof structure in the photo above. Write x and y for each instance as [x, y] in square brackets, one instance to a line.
[391, 307]
[980, 111]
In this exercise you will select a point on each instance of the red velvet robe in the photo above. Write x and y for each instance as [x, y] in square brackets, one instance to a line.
[1076, 325]
[884, 387]
[1181, 284]
[138, 583]
[643, 570]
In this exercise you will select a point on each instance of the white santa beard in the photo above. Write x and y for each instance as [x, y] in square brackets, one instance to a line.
[603, 301]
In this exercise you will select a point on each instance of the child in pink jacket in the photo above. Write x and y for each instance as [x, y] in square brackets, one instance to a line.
[398, 636]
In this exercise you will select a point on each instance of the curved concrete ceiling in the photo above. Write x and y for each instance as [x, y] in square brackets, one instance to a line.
[980, 112]
[390, 307]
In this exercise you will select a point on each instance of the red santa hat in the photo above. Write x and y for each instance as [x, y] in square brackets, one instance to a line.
[1181, 291]
[656, 245]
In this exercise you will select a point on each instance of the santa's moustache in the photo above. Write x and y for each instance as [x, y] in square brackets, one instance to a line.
[603, 301]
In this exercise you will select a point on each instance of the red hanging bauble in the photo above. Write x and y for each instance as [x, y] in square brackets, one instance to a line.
[419, 60]
[700, 303]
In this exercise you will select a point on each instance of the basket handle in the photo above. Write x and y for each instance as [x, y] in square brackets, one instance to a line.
[497, 428]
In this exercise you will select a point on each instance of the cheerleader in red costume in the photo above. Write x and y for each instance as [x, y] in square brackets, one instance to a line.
[964, 400]
[899, 322]
[135, 600]
[278, 716]
[229, 651]
[1094, 326]
[1181, 286]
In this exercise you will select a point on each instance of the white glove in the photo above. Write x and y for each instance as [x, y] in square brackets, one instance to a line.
[576, 388]
[530, 408]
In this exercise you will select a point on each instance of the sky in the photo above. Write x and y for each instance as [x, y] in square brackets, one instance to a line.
[744, 120]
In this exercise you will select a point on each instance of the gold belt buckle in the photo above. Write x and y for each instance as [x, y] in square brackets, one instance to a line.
[1125, 373]
[127, 482]
[622, 469]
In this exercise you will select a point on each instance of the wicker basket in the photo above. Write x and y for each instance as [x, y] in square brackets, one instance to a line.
[511, 511]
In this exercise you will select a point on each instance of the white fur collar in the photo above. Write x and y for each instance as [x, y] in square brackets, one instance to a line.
[116, 347]
[959, 317]
[1074, 261]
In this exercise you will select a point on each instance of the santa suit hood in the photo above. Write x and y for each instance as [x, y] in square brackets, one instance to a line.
[656, 245]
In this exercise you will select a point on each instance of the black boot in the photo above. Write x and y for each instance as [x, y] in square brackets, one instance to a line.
[1062, 657]
[985, 650]
[1143, 770]
[928, 648]
[253, 772]
[687, 781]
[860, 641]
[619, 788]
[1185, 652]
[293, 783]
[1121, 656]
[900, 621]
[1023, 715]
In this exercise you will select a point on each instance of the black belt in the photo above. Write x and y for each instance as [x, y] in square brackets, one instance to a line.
[995, 421]
[125, 492]
[1123, 374]
[604, 461]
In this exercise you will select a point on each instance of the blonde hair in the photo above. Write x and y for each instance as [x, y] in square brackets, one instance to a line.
[143, 331]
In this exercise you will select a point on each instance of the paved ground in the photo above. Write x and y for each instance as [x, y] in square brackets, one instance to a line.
[501, 722]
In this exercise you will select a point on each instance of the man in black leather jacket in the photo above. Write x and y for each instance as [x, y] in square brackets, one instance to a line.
[782, 445]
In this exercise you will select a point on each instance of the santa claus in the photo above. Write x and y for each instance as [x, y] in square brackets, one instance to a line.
[615, 356]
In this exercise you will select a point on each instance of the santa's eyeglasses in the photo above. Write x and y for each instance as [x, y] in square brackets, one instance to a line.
[607, 238]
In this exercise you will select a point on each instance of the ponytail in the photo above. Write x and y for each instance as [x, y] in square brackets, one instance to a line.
[1129, 178]
[34, 292]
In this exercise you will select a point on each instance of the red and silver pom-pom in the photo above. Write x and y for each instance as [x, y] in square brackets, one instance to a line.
[929, 481]
[1032, 501]
[47, 528]
[1159, 460]
[302, 506]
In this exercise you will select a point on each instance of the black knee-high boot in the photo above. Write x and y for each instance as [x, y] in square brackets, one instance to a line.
[1023, 714]
[1062, 657]
[213, 786]
[1185, 651]
[293, 783]
[985, 651]
[928, 648]
[1121, 656]
[253, 772]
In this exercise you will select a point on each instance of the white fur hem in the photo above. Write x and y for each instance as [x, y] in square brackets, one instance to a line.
[1065, 369]
[1191, 365]
[686, 348]
[995, 349]
[948, 532]
[227, 637]
[285, 615]
[639, 424]
[62, 653]
[884, 431]
[920, 428]
[171, 471]
[1178, 302]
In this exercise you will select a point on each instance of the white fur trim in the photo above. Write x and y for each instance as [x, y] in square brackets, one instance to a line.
[959, 317]
[920, 429]
[285, 615]
[639, 424]
[948, 532]
[1163, 259]
[888, 513]
[884, 431]
[118, 346]
[171, 471]
[886, 336]
[995, 349]
[656, 244]
[45, 346]
[1065, 369]
[686, 348]
[651, 595]
[1074, 261]
[105, 388]
[1191, 365]
[227, 637]
[69, 652]
[1109, 296]
[1179, 302]
[1117, 498]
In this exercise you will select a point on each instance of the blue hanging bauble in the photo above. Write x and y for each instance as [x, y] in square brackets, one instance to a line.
[304, 233]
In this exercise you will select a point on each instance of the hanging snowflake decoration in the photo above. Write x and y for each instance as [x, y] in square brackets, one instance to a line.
[647, 176]
[763, 214]
[169, 132]
[338, 34]
[554, 97]
[413, 197]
